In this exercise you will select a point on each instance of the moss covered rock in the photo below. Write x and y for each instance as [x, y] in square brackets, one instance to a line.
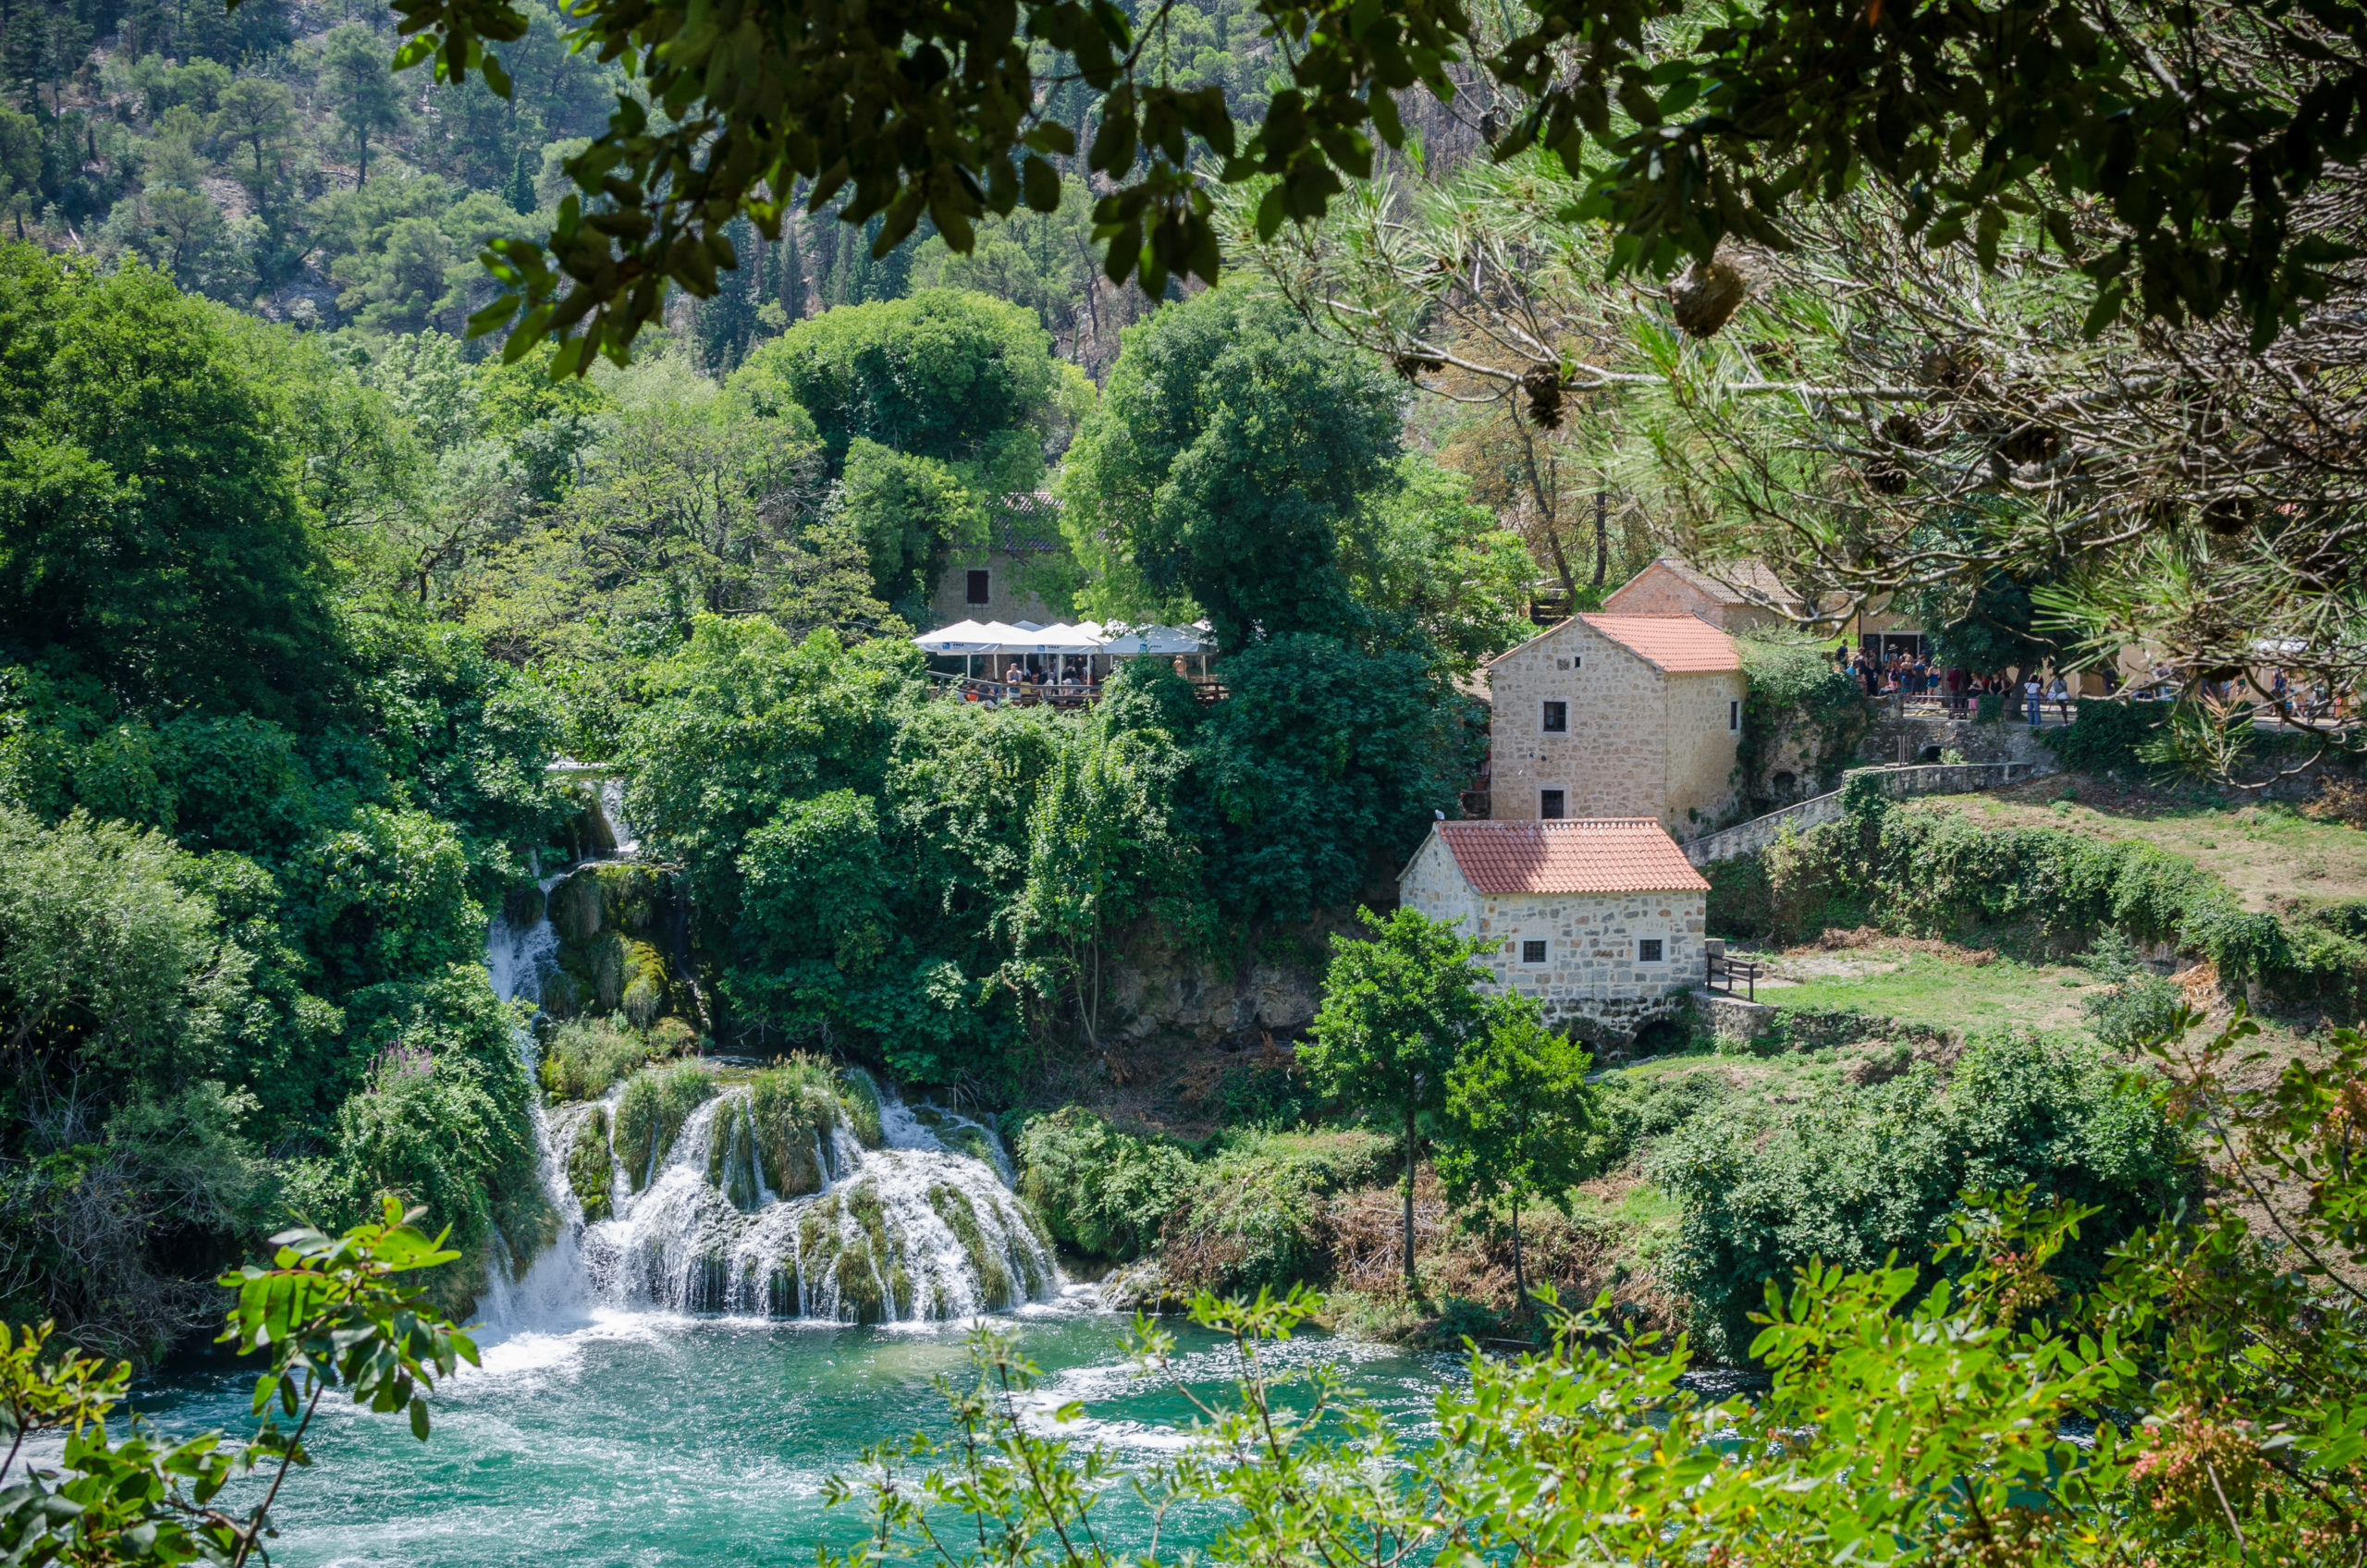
[591, 1167]
[574, 906]
[650, 1114]
[629, 897]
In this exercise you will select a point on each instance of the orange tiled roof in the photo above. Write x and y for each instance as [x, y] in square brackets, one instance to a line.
[1601, 855]
[1681, 645]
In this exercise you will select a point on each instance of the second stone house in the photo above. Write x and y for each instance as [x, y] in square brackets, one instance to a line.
[1617, 716]
[1601, 921]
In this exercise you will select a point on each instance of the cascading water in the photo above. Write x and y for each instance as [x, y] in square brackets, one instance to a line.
[895, 1235]
[923, 1228]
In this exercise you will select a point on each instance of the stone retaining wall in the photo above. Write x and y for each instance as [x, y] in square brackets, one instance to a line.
[1922, 779]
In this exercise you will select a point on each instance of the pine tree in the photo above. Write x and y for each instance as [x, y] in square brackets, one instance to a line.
[520, 189]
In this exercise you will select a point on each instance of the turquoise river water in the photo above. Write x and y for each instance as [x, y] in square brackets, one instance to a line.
[649, 1439]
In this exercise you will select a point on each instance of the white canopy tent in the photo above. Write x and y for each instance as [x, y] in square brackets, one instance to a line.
[968, 639]
[962, 638]
[1122, 641]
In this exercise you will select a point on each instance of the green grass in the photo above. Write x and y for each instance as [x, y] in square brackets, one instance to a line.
[1945, 993]
[2270, 854]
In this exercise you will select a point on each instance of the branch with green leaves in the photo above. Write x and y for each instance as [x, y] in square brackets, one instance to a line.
[328, 1313]
[1681, 133]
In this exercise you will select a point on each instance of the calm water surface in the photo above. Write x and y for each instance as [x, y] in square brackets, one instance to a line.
[641, 1439]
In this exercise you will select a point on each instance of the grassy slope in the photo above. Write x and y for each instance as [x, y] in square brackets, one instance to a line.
[2274, 857]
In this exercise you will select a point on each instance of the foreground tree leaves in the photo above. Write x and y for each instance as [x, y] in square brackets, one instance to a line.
[1981, 110]
[328, 1314]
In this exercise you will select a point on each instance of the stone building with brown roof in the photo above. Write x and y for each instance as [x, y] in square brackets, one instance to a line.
[1617, 716]
[1732, 595]
[1009, 579]
[1599, 920]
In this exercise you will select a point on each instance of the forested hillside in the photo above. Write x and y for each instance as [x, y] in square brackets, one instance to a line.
[269, 158]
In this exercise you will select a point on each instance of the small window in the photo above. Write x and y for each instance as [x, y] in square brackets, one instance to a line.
[1734, 718]
[1557, 719]
[1560, 664]
[1548, 804]
[978, 588]
[1647, 949]
[1532, 952]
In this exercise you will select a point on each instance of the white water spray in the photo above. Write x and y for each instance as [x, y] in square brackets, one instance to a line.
[923, 1228]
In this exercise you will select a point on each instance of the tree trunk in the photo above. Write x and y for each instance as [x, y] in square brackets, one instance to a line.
[1549, 515]
[1602, 537]
[1520, 1276]
[1410, 1284]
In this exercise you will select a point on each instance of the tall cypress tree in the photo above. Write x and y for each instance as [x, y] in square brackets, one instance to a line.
[520, 192]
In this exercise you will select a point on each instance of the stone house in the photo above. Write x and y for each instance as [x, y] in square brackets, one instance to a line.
[1738, 594]
[1616, 715]
[1007, 579]
[1599, 919]
[1731, 595]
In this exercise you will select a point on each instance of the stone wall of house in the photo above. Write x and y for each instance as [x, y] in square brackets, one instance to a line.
[1704, 735]
[1593, 974]
[1591, 982]
[1640, 743]
[1008, 597]
[1433, 884]
[1612, 763]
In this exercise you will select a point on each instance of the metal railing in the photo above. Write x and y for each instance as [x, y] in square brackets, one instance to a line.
[1055, 694]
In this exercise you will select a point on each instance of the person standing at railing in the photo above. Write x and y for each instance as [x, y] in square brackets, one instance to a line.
[2060, 695]
[2032, 692]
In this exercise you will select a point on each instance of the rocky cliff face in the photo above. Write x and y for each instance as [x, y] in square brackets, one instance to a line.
[608, 919]
[1165, 992]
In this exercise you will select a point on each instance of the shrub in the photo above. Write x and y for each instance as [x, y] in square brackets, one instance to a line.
[1100, 1191]
[655, 1103]
[1858, 1172]
[2140, 1008]
[859, 1098]
[590, 1168]
[1632, 1111]
[2105, 736]
[585, 1057]
[793, 1106]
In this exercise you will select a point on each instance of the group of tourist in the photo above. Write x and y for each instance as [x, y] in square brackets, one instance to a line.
[1060, 677]
[1914, 675]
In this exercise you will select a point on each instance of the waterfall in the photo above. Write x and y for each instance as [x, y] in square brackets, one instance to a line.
[896, 1234]
[549, 1288]
[925, 1227]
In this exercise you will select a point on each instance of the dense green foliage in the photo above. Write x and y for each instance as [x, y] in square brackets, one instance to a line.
[254, 825]
[1251, 1211]
[1854, 1178]
[920, 877]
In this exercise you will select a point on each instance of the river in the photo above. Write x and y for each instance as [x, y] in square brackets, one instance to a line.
[649, 1439]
